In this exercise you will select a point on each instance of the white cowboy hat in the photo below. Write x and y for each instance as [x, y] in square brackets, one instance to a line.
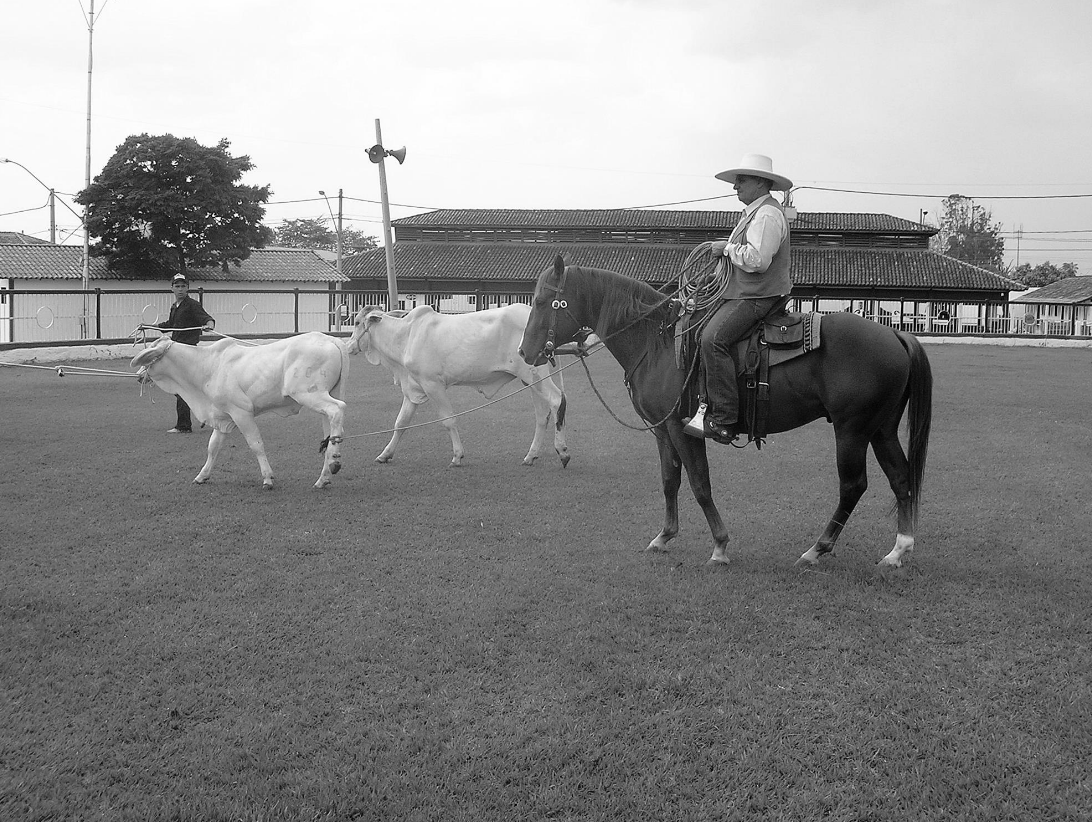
[756, 165]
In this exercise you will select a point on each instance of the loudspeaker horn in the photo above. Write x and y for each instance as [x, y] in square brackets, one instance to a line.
[399, 154]
[375, 153]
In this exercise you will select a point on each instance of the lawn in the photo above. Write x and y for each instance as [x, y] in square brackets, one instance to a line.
[491, 642]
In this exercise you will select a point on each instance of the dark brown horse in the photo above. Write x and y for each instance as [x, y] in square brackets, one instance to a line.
[862, 378]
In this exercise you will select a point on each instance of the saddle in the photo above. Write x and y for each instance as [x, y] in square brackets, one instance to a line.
[779, 337]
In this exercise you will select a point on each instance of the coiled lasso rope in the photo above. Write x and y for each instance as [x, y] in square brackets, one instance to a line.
[703, 286]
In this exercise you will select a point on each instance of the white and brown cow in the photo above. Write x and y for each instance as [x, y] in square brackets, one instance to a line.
[228, 384]
[429, 352]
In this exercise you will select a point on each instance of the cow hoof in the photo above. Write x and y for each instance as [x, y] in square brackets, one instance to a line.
[199, 481]
[322, 484]
[529, 460]
[335, 467]
[267, 486]
[382, 460]
[564, 460]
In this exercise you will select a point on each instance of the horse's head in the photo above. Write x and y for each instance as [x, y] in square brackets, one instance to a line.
[366, 317]
[554, 315]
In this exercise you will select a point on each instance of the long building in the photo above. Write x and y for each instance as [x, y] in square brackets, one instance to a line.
[865, 260]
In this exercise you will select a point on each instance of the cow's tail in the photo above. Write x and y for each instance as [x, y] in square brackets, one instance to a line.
[339, 389]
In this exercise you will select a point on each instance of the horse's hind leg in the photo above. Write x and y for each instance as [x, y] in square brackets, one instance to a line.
[892, 459]
[852, 482]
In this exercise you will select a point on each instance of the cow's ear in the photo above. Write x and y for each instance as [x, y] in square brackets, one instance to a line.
[372, 319]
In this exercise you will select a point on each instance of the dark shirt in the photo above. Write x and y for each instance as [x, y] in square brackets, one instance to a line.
[187, 314]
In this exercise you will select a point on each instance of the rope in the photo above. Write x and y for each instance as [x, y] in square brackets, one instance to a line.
[469, 410]
[62, 370]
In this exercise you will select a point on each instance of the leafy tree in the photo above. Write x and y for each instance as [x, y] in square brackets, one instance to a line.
[968, 233]
[304, 234]
[1043, 274]
[307, 233]
[163, 204]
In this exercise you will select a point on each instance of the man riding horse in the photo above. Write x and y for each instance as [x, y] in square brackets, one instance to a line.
[755, 261]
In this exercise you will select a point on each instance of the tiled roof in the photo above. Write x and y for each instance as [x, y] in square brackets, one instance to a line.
[8, 237]
[65, 262]
[540, 219]
[1070, 291]
[842, 267]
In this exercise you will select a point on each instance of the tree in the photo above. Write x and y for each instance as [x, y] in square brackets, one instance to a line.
[967, 233]
[163, 204]
[1043, 274]
[307, 233]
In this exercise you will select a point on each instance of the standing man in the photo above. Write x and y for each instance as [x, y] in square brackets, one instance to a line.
[190, 317]
[757, 265]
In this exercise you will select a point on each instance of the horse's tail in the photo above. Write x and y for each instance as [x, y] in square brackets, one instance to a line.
[919, 391]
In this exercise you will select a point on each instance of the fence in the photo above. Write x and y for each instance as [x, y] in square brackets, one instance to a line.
[42, 317]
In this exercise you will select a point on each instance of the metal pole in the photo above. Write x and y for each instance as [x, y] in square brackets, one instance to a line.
[339, 201]
[86, 320]
[53, 216]
[392, 283]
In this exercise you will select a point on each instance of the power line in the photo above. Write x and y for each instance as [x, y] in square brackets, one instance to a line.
[945, 196]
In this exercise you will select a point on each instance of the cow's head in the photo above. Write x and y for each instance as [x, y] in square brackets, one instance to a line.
[149, 357]
[359, 342]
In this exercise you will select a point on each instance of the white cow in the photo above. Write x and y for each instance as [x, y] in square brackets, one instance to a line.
[228, 384]
[430, 352]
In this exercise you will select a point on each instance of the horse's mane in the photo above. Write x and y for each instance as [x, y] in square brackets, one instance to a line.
[625, 302]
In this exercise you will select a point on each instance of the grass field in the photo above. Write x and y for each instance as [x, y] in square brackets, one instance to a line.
[419, 642]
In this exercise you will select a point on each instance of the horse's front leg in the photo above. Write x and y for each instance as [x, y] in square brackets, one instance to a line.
[671, 478]
[696, 460]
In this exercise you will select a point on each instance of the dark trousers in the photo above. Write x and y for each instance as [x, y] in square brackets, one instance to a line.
[730, 323]
[184, 423]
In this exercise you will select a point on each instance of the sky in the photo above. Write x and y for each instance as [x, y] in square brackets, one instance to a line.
[869, 106]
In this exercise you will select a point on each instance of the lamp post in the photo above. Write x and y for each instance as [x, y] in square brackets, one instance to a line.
[337, 223]
[922, 214]
[376, 154]
[52, 199]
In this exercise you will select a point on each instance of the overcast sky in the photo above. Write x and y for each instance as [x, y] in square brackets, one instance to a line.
[572, 103]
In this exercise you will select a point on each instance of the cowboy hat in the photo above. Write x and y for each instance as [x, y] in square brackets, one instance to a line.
[756, 165]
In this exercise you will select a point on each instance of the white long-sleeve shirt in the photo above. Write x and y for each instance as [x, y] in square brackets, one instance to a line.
[764, 235]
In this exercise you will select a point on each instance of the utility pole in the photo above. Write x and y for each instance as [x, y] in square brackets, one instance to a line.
[339, 253]
[85, 321]
[388, 245]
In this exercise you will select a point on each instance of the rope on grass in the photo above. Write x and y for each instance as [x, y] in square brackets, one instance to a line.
[580, 358]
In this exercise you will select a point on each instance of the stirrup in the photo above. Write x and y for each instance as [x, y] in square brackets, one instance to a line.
[695, 426]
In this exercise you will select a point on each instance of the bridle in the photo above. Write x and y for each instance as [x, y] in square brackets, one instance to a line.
[559, 303]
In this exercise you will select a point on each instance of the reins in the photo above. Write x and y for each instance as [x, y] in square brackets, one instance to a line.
[702, 291]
